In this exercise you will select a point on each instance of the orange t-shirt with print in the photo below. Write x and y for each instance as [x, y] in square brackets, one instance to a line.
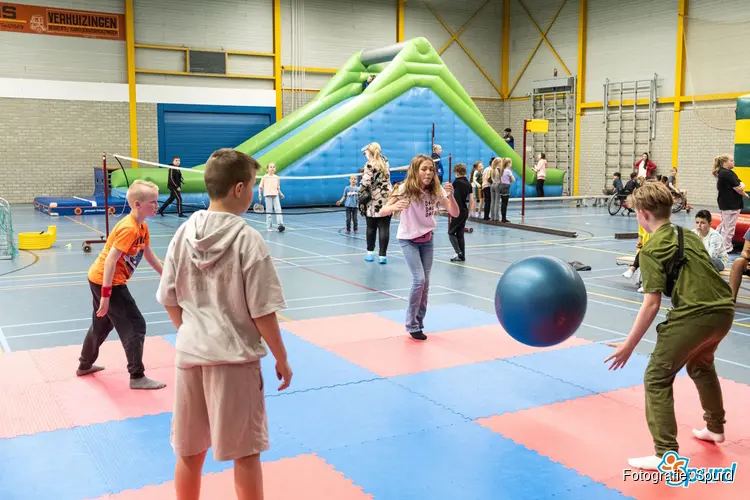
[132, 240]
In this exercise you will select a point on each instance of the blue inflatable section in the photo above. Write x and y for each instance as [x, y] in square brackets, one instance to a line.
[403, 128]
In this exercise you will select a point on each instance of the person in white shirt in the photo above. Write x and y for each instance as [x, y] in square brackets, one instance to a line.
[712, 239]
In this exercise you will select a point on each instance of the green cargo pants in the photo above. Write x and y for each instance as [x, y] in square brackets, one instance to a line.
[689, 343]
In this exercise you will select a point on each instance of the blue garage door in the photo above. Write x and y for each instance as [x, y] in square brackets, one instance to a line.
[193, 132]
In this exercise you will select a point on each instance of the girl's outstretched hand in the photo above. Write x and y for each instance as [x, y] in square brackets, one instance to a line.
[620, 356]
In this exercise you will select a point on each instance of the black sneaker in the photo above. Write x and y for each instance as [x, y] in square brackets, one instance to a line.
[458, 258]
[418, 335]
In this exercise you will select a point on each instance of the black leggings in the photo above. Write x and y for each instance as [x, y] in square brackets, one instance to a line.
[456, 233]
[540, 188]
[381, 225]
[505, 198]
[487, 197]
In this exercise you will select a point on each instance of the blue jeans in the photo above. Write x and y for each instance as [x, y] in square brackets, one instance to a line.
[273, 206]
[418, 257]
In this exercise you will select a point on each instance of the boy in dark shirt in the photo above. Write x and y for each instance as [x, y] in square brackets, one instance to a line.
[701, 316]
[174, 183]
[462, 192]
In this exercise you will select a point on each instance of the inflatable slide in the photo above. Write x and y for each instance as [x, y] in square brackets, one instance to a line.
[411, 91]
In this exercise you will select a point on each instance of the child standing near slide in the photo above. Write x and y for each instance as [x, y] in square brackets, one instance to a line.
[702, 313]
[417, 200]
[270, 189]
[350, 199]
[222, 293]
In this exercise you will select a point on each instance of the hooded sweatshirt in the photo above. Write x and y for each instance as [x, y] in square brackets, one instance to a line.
[219, 271]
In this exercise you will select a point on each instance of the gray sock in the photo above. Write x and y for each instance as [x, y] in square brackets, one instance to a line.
[145, 383]
[93, 369]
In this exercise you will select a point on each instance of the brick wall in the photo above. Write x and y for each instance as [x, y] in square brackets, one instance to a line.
[50, 147]
[591, 172]
[705, 132]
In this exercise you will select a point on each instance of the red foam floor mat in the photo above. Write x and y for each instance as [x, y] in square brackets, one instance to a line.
[596, 435]
[304, 476]
[114, 398]
[485, 343]
[401, 355]
[29, 410]
[18, 370]
[60, 363]
[341, 329]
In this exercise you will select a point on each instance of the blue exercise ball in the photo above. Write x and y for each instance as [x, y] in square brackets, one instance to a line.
[540, 301]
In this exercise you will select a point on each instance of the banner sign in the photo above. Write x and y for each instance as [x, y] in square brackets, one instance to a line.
[61, 22]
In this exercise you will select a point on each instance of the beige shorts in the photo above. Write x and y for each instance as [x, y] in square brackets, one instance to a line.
[222, 407]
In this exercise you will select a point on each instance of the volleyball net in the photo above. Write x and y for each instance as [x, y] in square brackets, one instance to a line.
[303, 194]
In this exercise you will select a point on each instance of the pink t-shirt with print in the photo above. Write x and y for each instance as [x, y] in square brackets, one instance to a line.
[419, 218]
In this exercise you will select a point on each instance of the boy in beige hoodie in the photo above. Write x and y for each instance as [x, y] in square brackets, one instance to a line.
[222, 292]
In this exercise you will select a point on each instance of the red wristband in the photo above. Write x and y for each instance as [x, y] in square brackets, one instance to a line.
[106, 291]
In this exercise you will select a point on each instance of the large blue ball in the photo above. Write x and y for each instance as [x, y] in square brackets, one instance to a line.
[541, 301]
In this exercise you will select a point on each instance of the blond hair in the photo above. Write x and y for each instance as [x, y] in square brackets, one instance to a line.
[377, 158]
[507, 162]
[652, 197]
[413, 188]
[719, 162]
[140, 190]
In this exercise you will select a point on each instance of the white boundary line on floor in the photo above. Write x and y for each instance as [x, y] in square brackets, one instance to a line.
[318, 306]
[4, 342]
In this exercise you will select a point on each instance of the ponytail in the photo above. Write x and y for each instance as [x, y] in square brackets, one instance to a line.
[719, 163]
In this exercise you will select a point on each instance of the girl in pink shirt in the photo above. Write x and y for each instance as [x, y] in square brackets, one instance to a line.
[270, 189]
[417, 200]
[541, 173]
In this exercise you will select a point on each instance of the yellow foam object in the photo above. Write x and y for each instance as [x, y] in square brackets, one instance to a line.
[37, 241]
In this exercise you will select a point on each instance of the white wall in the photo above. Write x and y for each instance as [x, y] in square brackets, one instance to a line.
[52, 57]
[233, 25]
[716, 41]
[631, 40]
[563, 36]
[482, 38]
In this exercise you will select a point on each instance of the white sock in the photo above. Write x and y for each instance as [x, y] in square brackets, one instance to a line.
[645, 463]
[706, 435]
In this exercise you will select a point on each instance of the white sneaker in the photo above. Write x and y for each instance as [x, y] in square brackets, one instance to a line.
[640, 290]
[629, 273]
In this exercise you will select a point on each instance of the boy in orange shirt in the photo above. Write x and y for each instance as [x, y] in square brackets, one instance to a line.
[114, 307]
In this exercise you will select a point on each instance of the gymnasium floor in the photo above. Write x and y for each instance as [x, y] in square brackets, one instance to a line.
[469, 414]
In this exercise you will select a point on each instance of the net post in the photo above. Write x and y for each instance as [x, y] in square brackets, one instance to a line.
[103, 239]
[106, 193]
[523, 173]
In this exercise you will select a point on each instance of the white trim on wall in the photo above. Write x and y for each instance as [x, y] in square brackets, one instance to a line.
[20, 88]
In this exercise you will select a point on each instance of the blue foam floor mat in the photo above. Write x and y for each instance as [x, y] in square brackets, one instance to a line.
[463, 461]
[584, 366]
[91, 461]
[349, 414]
[444, 317]
[489, 388]
[307, 359]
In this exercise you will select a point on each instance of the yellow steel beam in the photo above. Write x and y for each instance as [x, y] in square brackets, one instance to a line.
[132, 99]
[325, 71]
[583, 21]
[479, 67]
[729, 96]
[185, 49]
[399, 21]
[533, 53]
[454, 37]
[277, 83]
[544, 36]
[146, 71]
[506, 50]
[679, 79]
